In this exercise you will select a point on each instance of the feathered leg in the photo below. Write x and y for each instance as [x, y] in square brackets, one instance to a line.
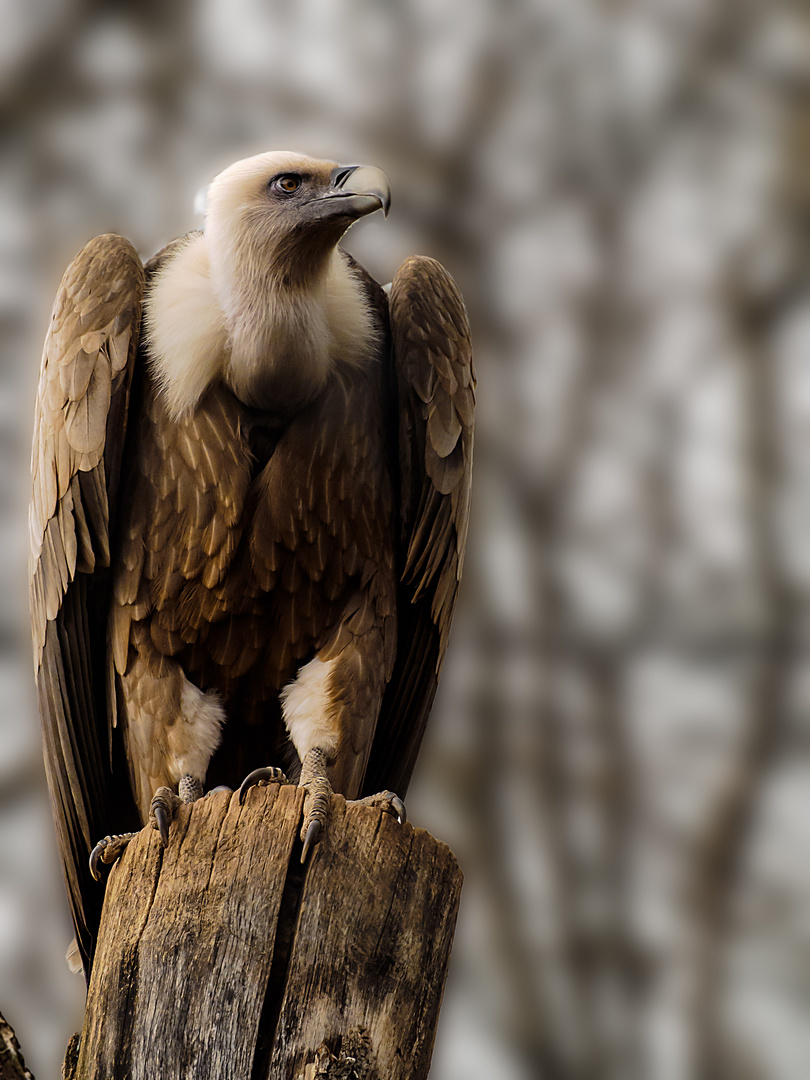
[160, 751]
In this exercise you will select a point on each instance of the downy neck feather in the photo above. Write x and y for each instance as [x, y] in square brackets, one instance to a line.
[226, 315]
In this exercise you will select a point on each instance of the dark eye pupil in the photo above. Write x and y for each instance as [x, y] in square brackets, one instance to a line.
[287, 184]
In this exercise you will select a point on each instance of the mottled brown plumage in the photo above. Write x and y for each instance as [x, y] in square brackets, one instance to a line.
[243, 543]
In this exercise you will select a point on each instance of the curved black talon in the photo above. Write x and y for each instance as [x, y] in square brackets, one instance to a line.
[95, 855]
[313, 832]
[399, 806]
[270, 774]
[163, 821]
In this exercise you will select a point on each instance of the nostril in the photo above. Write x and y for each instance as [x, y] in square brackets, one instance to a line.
[341, 174]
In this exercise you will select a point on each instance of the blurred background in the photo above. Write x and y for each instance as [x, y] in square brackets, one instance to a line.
[620, 751]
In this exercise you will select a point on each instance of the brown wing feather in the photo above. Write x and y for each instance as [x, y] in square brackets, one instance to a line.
[432, 356]
[189, 481]
[79, 433]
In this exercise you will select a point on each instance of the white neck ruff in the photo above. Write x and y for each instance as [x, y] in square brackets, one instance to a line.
[273, 344]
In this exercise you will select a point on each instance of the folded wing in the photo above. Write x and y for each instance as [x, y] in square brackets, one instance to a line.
[79, 432]
[436, 400]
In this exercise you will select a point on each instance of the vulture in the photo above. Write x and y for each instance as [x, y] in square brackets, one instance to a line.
[251, 484]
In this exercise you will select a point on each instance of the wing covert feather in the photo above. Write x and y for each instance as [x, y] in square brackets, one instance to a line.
[435, 383]
[79, 432]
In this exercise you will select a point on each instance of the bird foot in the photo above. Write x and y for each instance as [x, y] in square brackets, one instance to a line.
[319, 797]
[107, 851]
[161, 813]
[165, 803]
[388, 802]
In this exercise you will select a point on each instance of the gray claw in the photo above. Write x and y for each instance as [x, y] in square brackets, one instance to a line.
[399, 806]
[260, 778]
[311, 838]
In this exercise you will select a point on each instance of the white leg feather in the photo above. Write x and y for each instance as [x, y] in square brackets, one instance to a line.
[308, 712]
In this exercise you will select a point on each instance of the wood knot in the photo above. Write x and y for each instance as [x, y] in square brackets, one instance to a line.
[353, 1060]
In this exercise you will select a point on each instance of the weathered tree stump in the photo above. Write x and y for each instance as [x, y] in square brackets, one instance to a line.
[223, 956]
[12, 1065]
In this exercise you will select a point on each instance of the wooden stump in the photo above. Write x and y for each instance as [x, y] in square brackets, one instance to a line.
[12, 1065]
[223, 956]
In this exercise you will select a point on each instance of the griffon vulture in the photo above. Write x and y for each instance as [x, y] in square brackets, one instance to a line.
[249, 512]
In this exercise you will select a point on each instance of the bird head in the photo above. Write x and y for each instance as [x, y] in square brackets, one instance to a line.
[286, 212]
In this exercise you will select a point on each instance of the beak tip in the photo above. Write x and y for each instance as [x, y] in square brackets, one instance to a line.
[363, 180]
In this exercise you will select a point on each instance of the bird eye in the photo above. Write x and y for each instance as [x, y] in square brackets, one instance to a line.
[286, 184]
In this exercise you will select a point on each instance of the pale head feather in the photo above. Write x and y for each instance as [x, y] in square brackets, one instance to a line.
[221, 307]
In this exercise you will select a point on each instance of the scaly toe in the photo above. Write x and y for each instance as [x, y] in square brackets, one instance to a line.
[316, 811]
[261, 778]
[388, 802]
[161, 812]
[317, 801]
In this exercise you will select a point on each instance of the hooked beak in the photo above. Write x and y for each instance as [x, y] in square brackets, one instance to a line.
[354, 191]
